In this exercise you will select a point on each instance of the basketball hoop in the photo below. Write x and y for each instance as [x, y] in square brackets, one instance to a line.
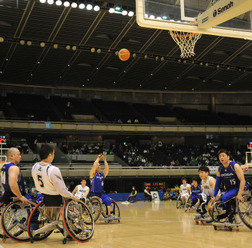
[186, 42]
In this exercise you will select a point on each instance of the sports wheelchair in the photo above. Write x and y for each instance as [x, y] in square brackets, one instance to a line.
[99, 209]
[14, 220]
[243, 209]
[73, 220]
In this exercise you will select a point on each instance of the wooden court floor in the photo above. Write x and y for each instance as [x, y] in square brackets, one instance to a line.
[147, 225]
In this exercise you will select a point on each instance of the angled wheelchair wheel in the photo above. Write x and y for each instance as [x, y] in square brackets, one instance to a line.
[1, 211]
[245, 211]
[179, 202]
[37, 220]
[115, 210]
[78, 220]
[14, 220]
[95, 206]
[188, 204]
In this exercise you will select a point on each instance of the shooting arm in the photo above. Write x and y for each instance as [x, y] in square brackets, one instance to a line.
[94, 167]
[106, 170]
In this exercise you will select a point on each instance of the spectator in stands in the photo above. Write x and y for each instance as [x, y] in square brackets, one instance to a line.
[147, 194]
[136, 121]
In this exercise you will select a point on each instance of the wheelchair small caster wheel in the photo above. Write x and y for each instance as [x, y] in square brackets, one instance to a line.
[32, 241]
[64, 241]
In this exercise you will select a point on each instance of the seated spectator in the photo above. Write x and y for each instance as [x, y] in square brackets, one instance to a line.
[147, 194]
[132, 196]
[166, 195]
[136, 121]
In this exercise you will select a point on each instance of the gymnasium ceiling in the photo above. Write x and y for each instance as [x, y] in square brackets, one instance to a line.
[30, 20]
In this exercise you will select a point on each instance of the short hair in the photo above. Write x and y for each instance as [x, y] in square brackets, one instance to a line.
[45, 150]
[183, 178]
[12, 151]
[194, 179]
[83, 179]
[204, 168]
[224, 151]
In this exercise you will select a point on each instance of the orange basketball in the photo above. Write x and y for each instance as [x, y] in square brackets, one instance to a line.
[124, 54]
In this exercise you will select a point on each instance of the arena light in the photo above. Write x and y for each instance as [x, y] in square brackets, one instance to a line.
[97, 8]
[124, 12]
[89, 6]
[50, 2]
[81, 6]
[74, 5]
[42, 1]
[131, 13]
[66, 4]
[58, 2]
[111, 10]
[1, 39]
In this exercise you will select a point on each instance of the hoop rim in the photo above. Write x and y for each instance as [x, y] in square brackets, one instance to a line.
[183, 35]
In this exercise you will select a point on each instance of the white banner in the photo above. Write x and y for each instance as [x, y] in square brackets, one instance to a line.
[155, 196]
[213, 170]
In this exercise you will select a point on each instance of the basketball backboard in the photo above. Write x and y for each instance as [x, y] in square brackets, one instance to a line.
[229, 18]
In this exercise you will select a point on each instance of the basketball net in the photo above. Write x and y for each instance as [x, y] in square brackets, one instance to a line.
[186, 42]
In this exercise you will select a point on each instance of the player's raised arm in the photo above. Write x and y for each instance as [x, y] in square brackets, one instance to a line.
[95, 165]
[106, 170]
[240, 175]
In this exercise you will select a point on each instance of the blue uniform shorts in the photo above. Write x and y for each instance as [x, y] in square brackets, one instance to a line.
[194, 199]
[106, 199]
[231, 194]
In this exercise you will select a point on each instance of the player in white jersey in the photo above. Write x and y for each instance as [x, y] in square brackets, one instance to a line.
[48, 180]
[207, 187]
[81, 191]
[184, 190]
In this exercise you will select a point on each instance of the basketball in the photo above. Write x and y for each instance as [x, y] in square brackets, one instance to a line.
[124, 54]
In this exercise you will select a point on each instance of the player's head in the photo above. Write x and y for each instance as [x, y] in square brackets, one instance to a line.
[133, 187]
[194, 182]
[203, 172]
[83, 182]
[98, 168]
[46, 153]
[224, 156]
[13, 155]
[183, 179]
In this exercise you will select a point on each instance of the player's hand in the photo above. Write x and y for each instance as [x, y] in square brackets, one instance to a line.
[239, 198]
[23, 199]
[100, 156]
[75, 199]
[104, 157]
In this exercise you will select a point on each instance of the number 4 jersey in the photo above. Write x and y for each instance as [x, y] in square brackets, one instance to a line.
[48, 180]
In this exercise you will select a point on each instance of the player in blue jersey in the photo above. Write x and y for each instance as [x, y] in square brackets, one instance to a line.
[195, 191]
[11, 178]
[232, 177]
[97, 180]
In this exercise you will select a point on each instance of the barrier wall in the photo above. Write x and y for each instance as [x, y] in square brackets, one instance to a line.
[124, 196]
